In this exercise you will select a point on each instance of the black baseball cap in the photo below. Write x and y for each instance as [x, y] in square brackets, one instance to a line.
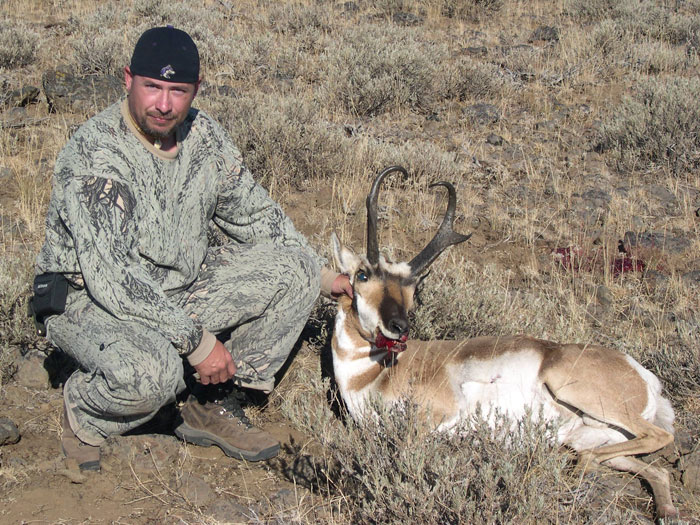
[167, 54]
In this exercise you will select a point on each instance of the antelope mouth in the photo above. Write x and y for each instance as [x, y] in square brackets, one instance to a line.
[391, 345]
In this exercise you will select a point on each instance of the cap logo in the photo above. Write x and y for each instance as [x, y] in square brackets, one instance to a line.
[167, 72]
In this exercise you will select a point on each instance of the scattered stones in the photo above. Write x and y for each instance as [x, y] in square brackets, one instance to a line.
[494, 140]
[482, 113]
[545, 34]
[31, 372]
[66, 91]
[9, 433]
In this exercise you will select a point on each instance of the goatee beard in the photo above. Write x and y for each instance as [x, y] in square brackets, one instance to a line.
[154, 133]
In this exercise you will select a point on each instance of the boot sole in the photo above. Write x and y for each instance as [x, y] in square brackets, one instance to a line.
[207, 439]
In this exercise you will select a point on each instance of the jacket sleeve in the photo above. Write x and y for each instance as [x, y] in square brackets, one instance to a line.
[99, 211]
[248, 214]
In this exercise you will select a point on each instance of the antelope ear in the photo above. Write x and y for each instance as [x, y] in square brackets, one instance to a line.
[345, 258]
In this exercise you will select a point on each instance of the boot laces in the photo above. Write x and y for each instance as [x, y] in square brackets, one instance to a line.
[230, 408]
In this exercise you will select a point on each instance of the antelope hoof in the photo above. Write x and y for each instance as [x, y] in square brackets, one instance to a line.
[667, 514]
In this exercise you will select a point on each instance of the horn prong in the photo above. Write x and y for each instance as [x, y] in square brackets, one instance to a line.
[445, 236]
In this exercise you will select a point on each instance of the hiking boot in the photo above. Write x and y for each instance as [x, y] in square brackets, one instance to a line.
[87, 456]
[224, 424]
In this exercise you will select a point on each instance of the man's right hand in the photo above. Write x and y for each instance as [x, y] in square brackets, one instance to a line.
[218, 367]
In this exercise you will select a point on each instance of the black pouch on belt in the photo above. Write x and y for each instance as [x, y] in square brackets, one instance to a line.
[50, 293]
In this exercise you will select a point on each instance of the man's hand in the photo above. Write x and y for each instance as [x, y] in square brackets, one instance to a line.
[341, 286]
[218, 367]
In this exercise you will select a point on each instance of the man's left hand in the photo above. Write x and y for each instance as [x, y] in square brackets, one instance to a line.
[341, 286]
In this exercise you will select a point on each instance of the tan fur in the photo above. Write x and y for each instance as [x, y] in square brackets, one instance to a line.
[605, 401]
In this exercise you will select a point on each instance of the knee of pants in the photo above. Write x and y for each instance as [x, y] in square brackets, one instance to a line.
[146, 383]
[304, 275]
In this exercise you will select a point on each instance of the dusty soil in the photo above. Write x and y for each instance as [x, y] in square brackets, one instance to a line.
[148, 477]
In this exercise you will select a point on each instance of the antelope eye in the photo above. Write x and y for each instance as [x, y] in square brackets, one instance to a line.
[361, 276]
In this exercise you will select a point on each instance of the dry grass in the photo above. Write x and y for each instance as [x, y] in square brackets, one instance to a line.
[322, 95]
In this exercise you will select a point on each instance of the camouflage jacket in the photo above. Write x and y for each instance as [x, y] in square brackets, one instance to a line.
[130, 223]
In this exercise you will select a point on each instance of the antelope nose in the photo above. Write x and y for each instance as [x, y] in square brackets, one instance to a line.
[398, 325]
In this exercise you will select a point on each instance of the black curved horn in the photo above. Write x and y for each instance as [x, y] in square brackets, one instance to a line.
[372, 244]
[444, 238]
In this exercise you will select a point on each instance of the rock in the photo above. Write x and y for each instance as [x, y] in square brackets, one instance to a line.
[545, 34]
[145, 453]
[656, 277]
[480, 51]
[227, 511]
[657, 241]
[10, 225]
[546, 125]
[596, 197]
[224, 91]
[494, 140]
[31, 372]
[195, 490]
[482, 113]
[406, 19]
[690, 467]
[284, 499]
[663, 195]
[20, 97]
[9, 433]
[66, 91]
[692, 278]
[18, 118]
[685, 442]
[603, 295]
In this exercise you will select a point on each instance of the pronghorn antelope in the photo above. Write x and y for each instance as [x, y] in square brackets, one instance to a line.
[610, 409]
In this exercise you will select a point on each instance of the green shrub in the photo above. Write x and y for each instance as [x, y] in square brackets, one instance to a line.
[374, 69]
[659, 124]
[283, 139]
[18, 44]
[470, 10]
[16, 329]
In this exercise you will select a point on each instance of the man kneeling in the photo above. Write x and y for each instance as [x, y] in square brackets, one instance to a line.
[128, 284]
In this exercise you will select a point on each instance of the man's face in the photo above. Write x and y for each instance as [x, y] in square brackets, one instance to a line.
[157, 106]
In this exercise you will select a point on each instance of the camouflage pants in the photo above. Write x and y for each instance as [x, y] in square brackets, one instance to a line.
[255, 298]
